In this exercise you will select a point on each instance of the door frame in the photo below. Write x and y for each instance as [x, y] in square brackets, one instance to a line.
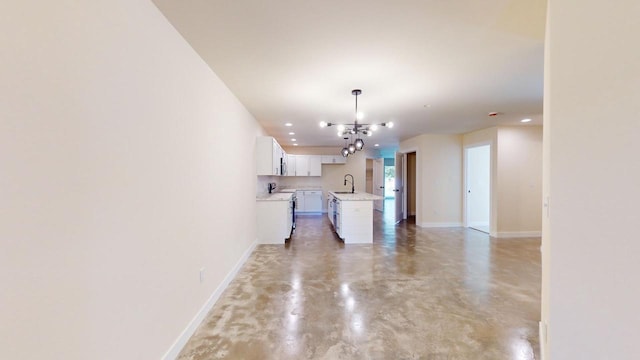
[404, 152]
[465, 185]
[378, 176]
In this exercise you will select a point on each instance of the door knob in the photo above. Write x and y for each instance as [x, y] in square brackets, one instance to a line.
[396, 190]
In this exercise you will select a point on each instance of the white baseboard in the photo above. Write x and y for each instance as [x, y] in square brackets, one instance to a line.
[517, 234]
[542, 333]
[440, 224]
[177, 346]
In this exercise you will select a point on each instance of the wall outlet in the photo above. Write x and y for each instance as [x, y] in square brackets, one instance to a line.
[201, 275]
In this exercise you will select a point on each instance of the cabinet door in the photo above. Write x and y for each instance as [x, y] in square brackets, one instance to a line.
[327, 159]
[334, 159]
[313, 200]
[338, 224]
[315, 165]
[277, 157]
[300, 201]
[302, 165]
[291, 165]
[266, 156]
[339, 159]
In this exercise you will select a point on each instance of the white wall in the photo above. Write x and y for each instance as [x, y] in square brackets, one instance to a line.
[116, 184]
[593, 115]
[519, 181]
[516, 172]
[439, 178]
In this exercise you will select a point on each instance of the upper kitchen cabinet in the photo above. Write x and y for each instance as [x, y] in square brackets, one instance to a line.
[270, 158]
[308, 165]
[334, 159]
[291, 165]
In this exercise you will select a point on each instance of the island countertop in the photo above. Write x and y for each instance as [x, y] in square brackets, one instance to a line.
[357, 196]
[279, 196]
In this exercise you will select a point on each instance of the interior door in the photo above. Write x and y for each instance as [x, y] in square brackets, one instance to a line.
[479, 187]
[378, 183]
[399, 190]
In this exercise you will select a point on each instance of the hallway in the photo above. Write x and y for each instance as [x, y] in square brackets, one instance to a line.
[436, 294]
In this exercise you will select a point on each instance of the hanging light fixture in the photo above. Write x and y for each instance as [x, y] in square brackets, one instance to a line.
[345, 150]
[355, 129]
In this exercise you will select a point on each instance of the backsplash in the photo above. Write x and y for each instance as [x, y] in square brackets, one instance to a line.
[263, 183]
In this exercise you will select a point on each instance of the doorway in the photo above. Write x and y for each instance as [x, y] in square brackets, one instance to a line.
[478, 187]
[406, 190]
[378, 183]
[411, 184]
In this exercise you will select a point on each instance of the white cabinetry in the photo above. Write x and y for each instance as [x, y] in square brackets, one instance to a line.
[274, 220]
[355, 223]
[330, 206]
[334, 159]
[309, 201]
[291, 165]
[308, 165]
[269, 156]
[337, 220]
[315, 165]
[302, 165]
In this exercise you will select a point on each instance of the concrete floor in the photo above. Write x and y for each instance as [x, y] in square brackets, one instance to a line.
[433, 294]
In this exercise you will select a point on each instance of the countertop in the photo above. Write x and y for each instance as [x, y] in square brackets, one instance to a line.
[277, 196]
[357, 196]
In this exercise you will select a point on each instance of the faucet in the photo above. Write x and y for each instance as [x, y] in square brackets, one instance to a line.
[353, 190]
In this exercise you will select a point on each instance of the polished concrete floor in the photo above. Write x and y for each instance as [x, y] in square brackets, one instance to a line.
[432, 294]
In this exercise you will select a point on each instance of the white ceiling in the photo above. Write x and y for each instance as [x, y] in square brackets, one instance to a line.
[430, 66]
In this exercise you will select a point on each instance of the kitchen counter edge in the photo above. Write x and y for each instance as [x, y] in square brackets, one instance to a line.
[357, 196]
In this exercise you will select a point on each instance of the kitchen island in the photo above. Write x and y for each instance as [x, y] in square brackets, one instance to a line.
[274, 217]
[351, 215]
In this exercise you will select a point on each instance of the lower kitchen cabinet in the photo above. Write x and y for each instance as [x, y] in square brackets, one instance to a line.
[275, 221]
[309, 201]
[354, 221]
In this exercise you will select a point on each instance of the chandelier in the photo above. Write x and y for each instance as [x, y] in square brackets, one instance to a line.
[355, 130]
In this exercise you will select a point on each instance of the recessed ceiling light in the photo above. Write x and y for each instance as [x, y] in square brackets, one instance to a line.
[295, 144]
[294, 140]
[376, 145]
[292, 133]
[525, 120]
[288, 124]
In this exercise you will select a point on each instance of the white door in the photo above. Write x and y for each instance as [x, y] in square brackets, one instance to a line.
[378, 183]
[478, 187]
[399, 190]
